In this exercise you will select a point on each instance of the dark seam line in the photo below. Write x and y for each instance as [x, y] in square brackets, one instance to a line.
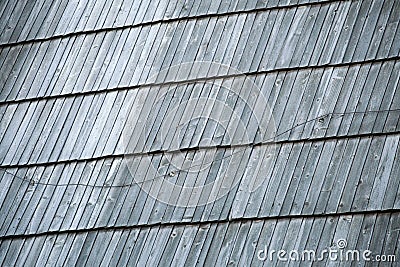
[141, 86]
[149, 23]
[113, 156]
[202, 223]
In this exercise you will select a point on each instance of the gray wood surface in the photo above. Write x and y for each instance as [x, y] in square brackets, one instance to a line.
[116, 150]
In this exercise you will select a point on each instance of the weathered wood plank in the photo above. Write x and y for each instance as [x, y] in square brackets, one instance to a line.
[184, 246]
[155, 252]
[306, 179]
[392, 195]
[287, 203]
[124, 247]
[365, 184]
[285, 180]
[140, 255]
[11, 201]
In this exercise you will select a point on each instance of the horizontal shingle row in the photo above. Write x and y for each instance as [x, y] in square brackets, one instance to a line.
[241, 243]
[305, 104]
[304, 178]
[306, 36]
[31, 20]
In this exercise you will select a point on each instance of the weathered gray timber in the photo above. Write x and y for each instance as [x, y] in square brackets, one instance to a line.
[116, 149]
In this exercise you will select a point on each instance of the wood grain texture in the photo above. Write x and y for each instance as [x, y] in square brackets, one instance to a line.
[116, 150]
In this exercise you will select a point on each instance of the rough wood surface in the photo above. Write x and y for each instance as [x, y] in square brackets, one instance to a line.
[116, 150]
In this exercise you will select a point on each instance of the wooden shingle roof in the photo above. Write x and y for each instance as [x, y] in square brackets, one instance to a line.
[197, 132]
